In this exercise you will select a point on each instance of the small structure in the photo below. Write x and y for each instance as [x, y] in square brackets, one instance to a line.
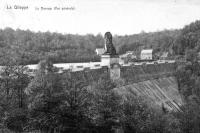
[100, 51]
[164, 56]
[115, 71]
[147, 54]
[130, 54]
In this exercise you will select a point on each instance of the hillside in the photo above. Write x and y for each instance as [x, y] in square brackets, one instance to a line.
[160, 41]
[29, 47]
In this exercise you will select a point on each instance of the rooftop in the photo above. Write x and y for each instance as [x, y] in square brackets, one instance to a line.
[100, 50]
[147, 51]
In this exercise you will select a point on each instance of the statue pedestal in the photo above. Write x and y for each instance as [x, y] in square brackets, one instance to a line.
[108, 60]
[112, 62]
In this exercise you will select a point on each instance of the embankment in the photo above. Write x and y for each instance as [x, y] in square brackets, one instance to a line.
[162, 92]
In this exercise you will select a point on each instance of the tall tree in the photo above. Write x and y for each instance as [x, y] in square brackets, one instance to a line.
[14, 80]
[57, 101]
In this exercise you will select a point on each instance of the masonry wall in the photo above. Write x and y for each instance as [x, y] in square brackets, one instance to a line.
[130, 74]
[154, 82]
[138, 73]
[90, 75]
[161, 92]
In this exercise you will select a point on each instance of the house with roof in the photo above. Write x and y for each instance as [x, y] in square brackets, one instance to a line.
[146, 54]
[164, 55]
[100, 51]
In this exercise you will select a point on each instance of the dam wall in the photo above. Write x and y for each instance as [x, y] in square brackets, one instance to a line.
[154, 82]
[162, 92]
[129, 74]
[135, 73]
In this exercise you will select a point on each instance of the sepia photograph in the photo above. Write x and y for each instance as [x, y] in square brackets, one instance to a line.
[99, 66]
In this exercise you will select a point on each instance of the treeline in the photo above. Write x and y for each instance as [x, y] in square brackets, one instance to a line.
[30, 47]
[188, 75]
[162, 41]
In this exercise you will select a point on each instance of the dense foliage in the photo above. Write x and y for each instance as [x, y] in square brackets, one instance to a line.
[188, 77]
[188, 39]
[32, 47]
[162, 41]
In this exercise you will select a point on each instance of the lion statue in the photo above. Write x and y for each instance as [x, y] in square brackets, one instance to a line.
[110, 49]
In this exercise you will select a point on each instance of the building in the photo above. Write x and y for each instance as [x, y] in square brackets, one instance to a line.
[129, 54]
[164, 56]
[100, 51]
[146, 54]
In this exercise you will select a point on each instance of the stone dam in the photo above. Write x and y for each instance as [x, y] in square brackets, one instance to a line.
[154, 82]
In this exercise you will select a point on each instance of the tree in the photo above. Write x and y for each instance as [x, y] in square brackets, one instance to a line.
[191, 55]
[107, 105]
[14, 80]
[138, 117]
[58, 102]
[188, 39]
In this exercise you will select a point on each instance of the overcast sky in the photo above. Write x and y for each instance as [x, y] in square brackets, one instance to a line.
[98, 16]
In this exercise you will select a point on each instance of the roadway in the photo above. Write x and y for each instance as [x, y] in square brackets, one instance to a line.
[94, 65]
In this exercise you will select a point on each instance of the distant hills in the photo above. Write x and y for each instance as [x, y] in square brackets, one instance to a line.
[27, 47]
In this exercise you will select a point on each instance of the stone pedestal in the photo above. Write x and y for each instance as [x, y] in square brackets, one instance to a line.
[112, 62]
[108, 60]
[115, 71]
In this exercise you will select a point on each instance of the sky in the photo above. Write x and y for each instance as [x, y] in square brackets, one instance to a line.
[120, 17]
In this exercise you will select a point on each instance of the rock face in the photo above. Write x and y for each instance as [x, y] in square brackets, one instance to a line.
[109, 47]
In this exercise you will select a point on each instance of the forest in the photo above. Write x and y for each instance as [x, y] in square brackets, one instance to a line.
[51, 102]
[29, 47]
